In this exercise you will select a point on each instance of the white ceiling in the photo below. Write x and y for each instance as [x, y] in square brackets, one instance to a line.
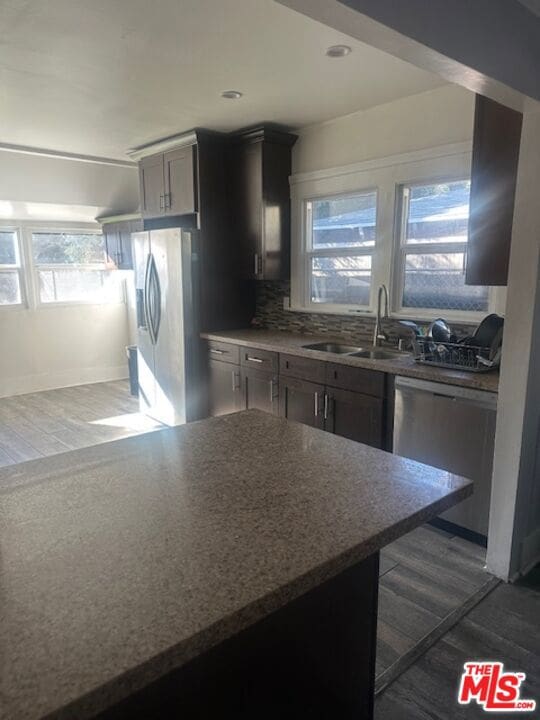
[100, 76]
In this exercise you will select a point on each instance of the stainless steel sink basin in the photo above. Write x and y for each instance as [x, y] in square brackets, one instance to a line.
[335, 348]
[378, 354]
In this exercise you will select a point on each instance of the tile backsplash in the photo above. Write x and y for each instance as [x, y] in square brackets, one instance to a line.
[271, 314]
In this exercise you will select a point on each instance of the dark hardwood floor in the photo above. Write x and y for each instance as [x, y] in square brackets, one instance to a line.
[504, 626]
[425, 576]
[55, 421]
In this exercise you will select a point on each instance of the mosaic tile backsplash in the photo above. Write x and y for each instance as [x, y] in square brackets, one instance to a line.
[271, 314]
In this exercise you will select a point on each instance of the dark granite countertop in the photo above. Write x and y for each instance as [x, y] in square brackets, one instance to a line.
[125, 560]
[291, 343]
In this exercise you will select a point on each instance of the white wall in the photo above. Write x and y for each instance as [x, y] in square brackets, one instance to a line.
[57, 346]
[426, 120]
[39, 178]
[515, 508]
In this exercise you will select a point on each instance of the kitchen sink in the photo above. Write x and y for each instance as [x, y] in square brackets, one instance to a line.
[335, 348]
[378, 354]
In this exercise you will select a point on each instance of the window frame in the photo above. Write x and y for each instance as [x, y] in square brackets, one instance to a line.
[401, 249]
[387, 175]
[19, 268]
[309, 253]
[35, 268]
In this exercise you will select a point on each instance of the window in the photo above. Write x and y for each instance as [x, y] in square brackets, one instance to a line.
[10, 268]
[432, 249]
[340, 238]
[70, 267]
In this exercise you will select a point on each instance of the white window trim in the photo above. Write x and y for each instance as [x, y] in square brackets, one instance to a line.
[28, 270]
[309, 253]
[386, 175]
[19, 268]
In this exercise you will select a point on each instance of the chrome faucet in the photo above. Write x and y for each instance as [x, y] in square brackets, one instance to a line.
[379, 335]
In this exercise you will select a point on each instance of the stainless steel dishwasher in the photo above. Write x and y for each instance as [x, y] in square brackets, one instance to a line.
[452, 428]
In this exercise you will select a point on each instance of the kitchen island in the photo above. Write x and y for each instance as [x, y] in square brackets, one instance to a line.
[225, 567]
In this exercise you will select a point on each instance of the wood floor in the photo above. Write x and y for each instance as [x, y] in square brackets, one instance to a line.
[424, 577]
[55, 421]
[504, 627]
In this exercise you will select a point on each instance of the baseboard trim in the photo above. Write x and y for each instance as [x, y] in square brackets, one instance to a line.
[462, 532]
[79, 376]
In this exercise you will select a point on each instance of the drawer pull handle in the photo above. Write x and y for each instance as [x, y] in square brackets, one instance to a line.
[217, 352]
[316, 404]
[254, 359]
[326, 406]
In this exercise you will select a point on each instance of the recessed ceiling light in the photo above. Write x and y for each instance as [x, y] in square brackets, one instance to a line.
[231, 94]
[335, 51]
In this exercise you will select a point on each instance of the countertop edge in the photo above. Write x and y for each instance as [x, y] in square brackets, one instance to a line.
[486, 382]
[105, 697]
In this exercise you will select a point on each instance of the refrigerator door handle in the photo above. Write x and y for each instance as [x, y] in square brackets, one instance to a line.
[156, 299]
[148, 299]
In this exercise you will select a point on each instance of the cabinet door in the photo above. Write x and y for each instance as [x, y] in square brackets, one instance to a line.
[125, 253]
[355, 416]
[180, 188]
[247, 207]
[152, 185]
[224, 388]
[260, 390]
[111, 234]
[301, 401]
[497, 136]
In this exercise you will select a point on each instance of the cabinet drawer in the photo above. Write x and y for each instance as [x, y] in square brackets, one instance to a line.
[260, 359]
[226, 352]
[303, 368]
[369, 382]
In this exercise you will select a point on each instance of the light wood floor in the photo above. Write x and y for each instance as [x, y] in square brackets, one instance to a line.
[424, 576]
[55, 421]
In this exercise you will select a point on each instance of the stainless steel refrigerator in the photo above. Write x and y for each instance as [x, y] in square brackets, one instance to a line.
[166, 277]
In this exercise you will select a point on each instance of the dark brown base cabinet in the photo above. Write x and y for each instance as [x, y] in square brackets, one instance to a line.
[241, 379]
[355, 416]
[224, 388]
[346, 401]
[342, 412]
[260, 390]
[302, 401]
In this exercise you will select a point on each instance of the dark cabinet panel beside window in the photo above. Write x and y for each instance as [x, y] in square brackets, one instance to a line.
[497, 137]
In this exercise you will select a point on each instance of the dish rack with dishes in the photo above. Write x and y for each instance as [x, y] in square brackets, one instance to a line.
[453, 355]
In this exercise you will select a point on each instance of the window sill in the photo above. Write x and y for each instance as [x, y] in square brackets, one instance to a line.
[451, 316]
[472, 318]
[79, 303]
[332, 310]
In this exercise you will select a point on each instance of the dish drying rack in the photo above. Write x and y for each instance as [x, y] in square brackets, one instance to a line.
[455, 356]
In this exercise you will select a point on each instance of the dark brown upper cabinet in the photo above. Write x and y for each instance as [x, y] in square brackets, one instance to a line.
[168, 183]
[496, 141]
[185, 182]
[117, 236]
[260, 170]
